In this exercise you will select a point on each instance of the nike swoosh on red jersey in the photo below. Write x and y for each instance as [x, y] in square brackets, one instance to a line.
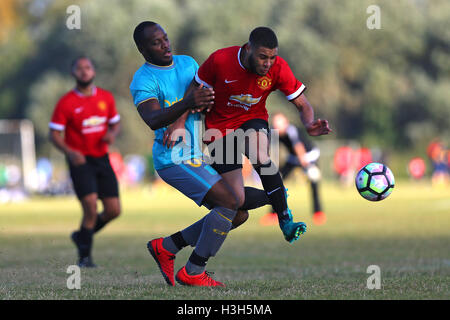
[229, 81]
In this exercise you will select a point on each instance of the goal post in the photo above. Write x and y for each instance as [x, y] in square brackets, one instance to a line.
[17, 150]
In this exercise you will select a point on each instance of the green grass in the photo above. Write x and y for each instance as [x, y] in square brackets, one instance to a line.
[406, 235]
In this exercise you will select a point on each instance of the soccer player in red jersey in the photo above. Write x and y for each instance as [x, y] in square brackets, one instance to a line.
[89, 120]
[242, 79]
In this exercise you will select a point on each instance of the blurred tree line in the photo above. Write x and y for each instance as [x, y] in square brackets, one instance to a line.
[388, 87]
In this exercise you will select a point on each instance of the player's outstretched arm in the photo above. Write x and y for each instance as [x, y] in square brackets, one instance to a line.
[313, 127]
[156, 117]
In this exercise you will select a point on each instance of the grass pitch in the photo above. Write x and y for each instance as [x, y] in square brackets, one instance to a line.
[406, 235]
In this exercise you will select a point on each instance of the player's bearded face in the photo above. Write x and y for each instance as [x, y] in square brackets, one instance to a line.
[252, 64]
[84, 72]
[261, 59]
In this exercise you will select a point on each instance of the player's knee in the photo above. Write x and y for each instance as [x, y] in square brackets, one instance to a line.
[230, 201]
[237, 199]
[114, 213]
[223, 196]
[240, 218]
[241, 200]
[89, 204]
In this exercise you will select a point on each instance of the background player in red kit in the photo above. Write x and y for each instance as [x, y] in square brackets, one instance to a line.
[302, 153]
[88, 117]
[242, 78]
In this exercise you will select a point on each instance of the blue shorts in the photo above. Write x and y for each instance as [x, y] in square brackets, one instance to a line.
[193, 178]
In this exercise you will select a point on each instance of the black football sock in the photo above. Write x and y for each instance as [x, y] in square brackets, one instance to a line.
[100, 223]
[85, 238]
[254, 198]
[196, 264]
[315, 194]
[174, 243]
[274, 187]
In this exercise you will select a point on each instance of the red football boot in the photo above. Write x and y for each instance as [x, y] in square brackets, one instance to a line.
[199, 280]
[163, 258]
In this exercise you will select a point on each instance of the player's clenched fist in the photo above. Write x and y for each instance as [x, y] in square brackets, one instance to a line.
[203, 98]
[76, 157]
[318, 128]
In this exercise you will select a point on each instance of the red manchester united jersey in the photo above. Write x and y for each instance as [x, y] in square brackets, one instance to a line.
[85, 120]
[240, 95]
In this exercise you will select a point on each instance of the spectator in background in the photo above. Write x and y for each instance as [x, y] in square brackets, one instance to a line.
[348, 161]
[362, 157]
[343, 164]
[416, 168]
[439, 156]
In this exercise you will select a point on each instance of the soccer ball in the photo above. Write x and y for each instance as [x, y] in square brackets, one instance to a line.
[375, 181]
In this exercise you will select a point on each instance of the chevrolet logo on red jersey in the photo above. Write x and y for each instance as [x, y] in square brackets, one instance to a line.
[245, 99]
[94, 121]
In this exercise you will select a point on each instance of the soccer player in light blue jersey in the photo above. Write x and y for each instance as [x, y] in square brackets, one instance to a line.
[166, 101]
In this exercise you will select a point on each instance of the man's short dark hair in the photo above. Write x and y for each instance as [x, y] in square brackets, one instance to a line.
[263, 37]
[75, 61]
[138, 34]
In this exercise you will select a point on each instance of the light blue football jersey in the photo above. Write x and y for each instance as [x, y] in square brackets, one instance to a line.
[168, 84]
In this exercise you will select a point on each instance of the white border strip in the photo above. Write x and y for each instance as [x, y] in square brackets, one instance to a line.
[114, 119]
[56, 126]
[200, 81]
[296, 93]
[239, 60]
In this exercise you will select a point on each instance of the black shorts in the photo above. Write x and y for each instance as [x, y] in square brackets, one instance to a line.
[233, 144]
[94, 176]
